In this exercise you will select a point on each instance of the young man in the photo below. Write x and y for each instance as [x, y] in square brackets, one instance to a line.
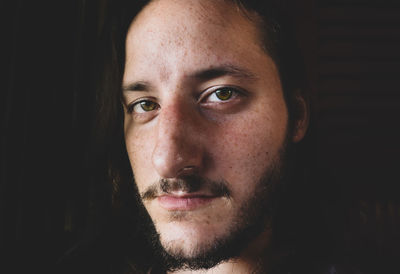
[204, 109]
[209, 126]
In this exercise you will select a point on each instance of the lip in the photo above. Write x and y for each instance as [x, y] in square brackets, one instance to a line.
[184, 202]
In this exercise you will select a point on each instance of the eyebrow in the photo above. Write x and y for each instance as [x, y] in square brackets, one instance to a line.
[202, 75]
[136, 86]
[224, 70]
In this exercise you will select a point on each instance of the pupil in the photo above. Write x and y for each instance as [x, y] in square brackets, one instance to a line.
[224, 94]
[147, 105]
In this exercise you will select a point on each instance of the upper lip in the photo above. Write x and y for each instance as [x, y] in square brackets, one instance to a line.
[188, 195]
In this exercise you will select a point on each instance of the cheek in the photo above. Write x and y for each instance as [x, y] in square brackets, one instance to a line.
[139, 148]
[249, 145]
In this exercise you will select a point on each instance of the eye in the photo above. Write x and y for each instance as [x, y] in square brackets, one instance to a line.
[143, 106]
[222, 94]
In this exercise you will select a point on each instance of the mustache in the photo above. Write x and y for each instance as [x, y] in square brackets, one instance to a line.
[187, 184]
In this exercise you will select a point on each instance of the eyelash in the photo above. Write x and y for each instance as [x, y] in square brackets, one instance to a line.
[235, 93]
[213, 92]
[131, 106]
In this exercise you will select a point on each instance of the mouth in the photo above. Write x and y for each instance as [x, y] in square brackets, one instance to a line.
[184, 202]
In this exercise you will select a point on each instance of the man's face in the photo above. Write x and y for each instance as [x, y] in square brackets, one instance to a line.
[205, 121]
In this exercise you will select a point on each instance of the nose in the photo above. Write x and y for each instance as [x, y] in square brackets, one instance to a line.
[178, 150]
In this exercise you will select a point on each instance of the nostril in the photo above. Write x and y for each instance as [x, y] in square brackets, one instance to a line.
[188, 170]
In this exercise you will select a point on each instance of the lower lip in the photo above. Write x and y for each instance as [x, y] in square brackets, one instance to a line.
[183, 203]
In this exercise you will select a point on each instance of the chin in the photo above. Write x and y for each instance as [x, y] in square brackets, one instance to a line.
[191, 247]
[195, 246]
[189, 239]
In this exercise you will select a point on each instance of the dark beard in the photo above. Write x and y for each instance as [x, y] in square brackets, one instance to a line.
[254, 217]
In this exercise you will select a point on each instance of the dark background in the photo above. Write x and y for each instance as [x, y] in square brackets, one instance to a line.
[50, 196]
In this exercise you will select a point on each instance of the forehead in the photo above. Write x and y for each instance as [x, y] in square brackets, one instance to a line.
[177, 17]
[189, 33]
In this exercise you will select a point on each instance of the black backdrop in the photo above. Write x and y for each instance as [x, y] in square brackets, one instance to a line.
[50, 196]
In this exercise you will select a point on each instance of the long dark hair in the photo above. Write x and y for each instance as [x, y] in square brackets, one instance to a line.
[297, 222]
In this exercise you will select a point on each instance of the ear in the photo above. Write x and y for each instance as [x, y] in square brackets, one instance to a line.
[301, 115]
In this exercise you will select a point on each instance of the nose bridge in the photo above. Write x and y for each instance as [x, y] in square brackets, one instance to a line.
[176, 147]
[172, 120]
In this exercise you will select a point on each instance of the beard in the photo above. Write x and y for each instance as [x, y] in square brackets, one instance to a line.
[253, 217]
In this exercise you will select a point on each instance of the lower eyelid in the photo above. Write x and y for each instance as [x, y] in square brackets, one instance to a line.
[231, 103]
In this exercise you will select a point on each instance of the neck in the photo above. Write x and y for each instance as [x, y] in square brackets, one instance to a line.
[257, 258]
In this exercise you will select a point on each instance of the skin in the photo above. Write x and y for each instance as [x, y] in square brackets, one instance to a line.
[191, 130]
